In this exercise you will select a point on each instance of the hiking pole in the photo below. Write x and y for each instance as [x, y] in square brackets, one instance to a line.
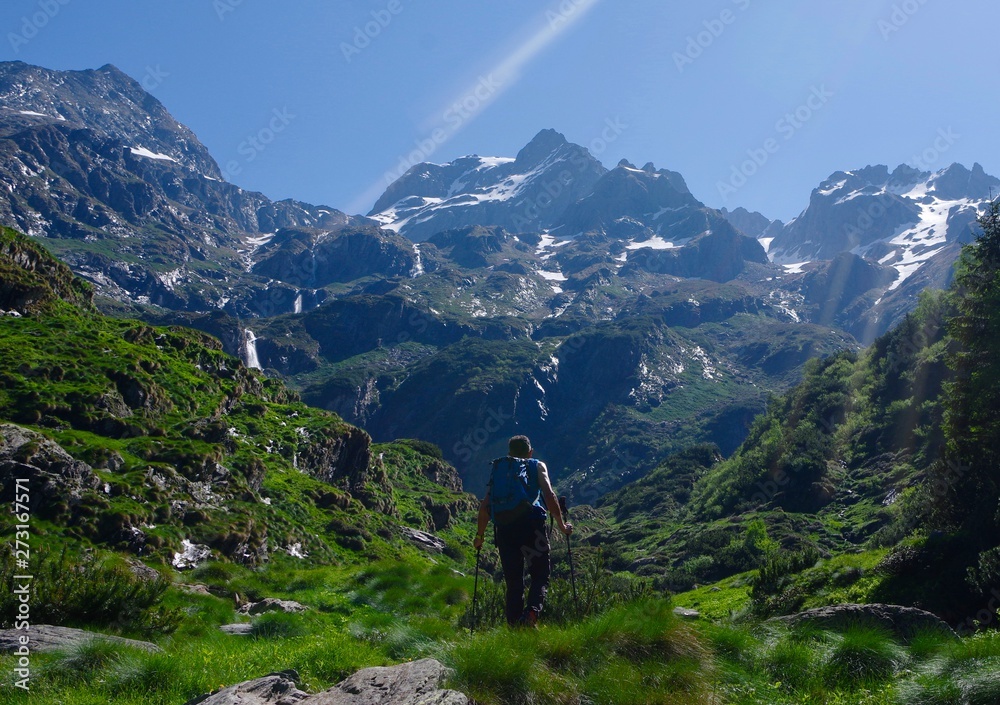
[569, 553]
[475, 592]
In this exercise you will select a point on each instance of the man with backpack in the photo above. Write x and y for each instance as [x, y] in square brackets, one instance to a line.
[516, 499]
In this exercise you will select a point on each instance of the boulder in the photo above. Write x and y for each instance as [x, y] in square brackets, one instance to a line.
[48, 638]
[904, 622]
[238, 629]
[424, 540]
[273, 689]
[272, 604]
[55, 475]
[414, 683]
[685, 613]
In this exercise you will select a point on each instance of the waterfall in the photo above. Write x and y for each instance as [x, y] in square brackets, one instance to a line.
[418, 264]
[250, 350]
[298, 303]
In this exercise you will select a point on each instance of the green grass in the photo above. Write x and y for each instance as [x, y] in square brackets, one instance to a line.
[635, 653]
[725, 600]
[389, 612]
[111, 674]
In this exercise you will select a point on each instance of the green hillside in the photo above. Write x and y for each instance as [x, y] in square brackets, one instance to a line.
[175, 442]
[142, 442]
[885, 455]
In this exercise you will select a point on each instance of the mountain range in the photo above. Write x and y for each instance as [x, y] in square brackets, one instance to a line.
[607, 311]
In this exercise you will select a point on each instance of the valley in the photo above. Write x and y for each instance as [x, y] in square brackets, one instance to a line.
[221, 399]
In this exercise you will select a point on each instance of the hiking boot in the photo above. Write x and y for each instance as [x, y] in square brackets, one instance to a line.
[529, 620]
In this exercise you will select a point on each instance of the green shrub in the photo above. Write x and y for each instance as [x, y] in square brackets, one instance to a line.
[790, 663]
[79, 590]
[770, 591]
[597, 590]
[496, 669]
[151, 673]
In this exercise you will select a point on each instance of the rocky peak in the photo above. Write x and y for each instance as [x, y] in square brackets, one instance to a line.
[752, 224]
[525, 194]
[956, 182]
[540, 147]
[106, 101]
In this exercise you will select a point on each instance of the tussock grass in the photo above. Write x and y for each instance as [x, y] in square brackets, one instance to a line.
[863, 656]
[114, 675]
[277, 625]
[635, 653]
[965, 672]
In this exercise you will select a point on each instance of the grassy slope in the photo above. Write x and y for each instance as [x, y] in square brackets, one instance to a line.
[832, 476]
[187, 444]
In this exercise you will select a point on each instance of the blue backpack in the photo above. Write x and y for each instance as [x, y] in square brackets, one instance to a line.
[513, 489]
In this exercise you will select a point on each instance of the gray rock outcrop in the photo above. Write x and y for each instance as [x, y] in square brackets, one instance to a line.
[414, 683]
[273, 689]
[424, 540]
[272, 604]
[904, 622]
[48, 638]
[55, 475]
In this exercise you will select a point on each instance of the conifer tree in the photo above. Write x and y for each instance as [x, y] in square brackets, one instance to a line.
[967, 479]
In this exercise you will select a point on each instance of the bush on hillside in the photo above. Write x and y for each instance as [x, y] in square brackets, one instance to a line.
[85, 591]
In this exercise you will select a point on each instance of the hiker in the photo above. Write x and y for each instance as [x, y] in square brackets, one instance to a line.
[518, 486]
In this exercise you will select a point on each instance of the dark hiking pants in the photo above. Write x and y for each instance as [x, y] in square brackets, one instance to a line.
[524, 542]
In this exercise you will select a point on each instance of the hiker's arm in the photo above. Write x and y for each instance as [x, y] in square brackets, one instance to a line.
[551, 501]
[482, 522]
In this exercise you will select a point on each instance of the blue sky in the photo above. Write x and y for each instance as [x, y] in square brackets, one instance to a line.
[753, 101]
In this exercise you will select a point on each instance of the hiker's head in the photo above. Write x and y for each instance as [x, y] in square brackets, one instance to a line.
[519, 447]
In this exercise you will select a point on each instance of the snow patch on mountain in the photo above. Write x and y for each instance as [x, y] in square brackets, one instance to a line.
[143, 152]
[251, 245]
[654, 243]
[916, 243]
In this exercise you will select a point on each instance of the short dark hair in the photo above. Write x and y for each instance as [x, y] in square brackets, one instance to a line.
[519, 447]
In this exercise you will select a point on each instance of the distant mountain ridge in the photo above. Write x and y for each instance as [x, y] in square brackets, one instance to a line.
[526, 193]
[911, 223]
[565, 299]
[134, 202]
